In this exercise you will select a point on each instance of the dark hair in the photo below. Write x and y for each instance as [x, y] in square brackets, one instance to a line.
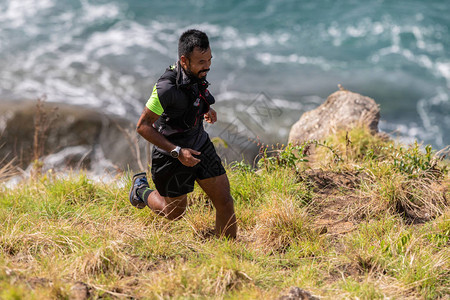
[191, 39]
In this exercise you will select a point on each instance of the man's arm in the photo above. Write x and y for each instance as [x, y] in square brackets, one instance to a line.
[147, 131]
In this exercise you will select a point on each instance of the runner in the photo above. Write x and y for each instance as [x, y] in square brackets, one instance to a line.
[173, 121]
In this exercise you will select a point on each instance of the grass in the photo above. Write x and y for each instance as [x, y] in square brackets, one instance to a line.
[359, 218]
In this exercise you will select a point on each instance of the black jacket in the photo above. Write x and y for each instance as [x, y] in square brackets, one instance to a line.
[185, 100]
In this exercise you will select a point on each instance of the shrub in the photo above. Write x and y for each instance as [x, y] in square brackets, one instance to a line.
[289, 156]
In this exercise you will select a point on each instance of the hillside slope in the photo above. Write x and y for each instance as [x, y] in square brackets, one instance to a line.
[355, 216]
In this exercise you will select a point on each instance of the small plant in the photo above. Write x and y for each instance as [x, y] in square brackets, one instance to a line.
[241, 166]
[354, 145]
[289, 156]
[42, 123]
[416, 164]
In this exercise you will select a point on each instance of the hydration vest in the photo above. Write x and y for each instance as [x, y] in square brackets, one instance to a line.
[188, 100]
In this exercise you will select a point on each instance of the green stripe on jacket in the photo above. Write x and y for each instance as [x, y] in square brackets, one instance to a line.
[154, 104]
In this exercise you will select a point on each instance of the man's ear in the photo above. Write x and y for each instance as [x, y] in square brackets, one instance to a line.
[183, 61]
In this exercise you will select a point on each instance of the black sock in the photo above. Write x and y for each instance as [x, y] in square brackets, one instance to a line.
[143, 193]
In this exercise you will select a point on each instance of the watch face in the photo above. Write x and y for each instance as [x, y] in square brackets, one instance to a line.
[175, 152]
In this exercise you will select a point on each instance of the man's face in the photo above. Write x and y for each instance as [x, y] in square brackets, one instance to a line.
[198, 63]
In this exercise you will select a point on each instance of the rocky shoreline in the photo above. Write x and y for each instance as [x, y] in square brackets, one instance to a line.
[79, 137]
[83, 138]
[76, 136]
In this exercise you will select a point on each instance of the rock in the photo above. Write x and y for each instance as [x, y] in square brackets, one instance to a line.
[81, 136]
[342, 110]
[296, 293]
[79, 291]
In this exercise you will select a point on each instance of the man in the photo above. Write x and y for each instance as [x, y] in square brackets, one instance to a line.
[173, 121]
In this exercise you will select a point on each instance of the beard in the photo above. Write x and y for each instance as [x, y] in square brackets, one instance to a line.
[196, 75]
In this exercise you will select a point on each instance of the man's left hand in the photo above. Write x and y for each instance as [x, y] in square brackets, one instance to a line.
[211, 116]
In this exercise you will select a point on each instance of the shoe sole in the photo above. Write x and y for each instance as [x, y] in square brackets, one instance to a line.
[135, 177]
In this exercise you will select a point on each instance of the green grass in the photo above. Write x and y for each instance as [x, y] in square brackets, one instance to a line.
[364, 218]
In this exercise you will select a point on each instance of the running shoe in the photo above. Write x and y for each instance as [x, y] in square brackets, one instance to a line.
[139, 181]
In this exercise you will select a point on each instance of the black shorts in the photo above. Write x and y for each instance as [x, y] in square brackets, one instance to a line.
[173, 179]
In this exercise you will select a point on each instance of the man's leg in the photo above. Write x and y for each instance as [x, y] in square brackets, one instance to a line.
[141, 195]
[218, 190]
[171, 208]
[173, 182]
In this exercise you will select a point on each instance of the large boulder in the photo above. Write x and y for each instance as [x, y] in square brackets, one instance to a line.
[342, 110]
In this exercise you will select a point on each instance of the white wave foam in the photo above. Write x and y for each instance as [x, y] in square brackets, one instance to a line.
[67, 68]
[231, 38]
[117, 40]
[19, 13]
[233, 95]
[443, 69]
[286, 104]
[404, 133]
[438, 68]
[92, 13]
[298, 105]
[428, 51]
[58, 160]
[433, 115]
[435, 118]
[268, 59]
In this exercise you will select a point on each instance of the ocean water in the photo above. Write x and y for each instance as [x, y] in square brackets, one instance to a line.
[291, 54]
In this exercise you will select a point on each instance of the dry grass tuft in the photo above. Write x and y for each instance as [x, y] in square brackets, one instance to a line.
[105, 260]
[416, 200]
[7, 170]
[282, 223]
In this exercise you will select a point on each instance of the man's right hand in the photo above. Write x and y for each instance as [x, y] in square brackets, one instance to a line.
[186, 158]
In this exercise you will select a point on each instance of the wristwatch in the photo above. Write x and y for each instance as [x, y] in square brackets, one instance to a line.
[175, 152]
